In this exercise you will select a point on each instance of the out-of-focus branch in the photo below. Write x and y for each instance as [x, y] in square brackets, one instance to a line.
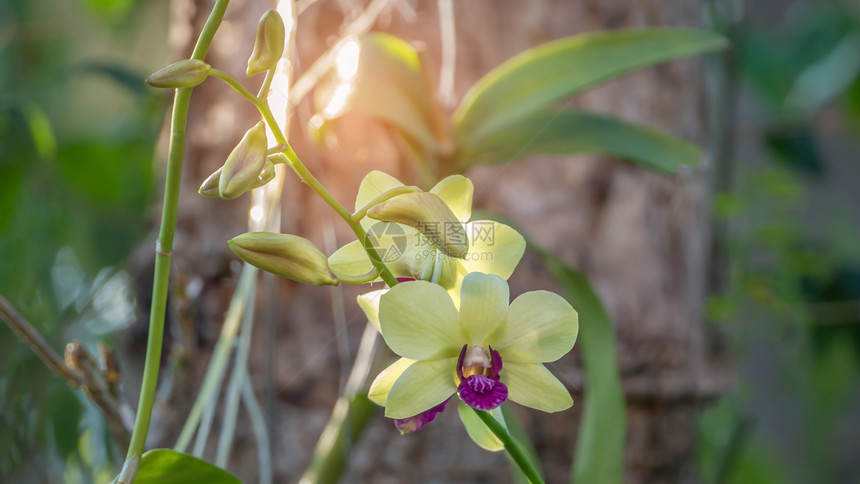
[321, 66]
[447, 32]
[79, 369]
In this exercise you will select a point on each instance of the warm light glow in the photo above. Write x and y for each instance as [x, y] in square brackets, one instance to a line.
[338, 100]
[278, 98]
[256, 213]
[347, 60]
[277, 95]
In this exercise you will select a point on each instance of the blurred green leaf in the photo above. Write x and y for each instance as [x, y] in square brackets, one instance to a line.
[600, 444]
[165, 466]
[794, 144]
[533, 79]
[390, 85]
[573, 132]
[111, 10]
[114, 172]
[123, 75]
[41, 131]
[827, 77]
[65, 411]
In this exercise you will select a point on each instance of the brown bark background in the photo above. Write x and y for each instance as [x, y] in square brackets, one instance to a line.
[640, 237]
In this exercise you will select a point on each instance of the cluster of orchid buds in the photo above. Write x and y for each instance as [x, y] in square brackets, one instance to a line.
[446, 310]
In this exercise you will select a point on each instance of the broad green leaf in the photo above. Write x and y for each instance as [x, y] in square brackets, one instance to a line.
[389, 85]
[600, 444]
[530, 81]
[573, 132]
[165, 466]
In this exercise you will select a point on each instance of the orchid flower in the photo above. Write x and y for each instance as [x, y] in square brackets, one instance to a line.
[487, 351]
[493, 248]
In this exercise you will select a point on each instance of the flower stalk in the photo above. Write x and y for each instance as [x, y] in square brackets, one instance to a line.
[163, 250]
[511, 447]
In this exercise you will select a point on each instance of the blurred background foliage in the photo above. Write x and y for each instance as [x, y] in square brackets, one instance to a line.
[788, 293]
[78, 130]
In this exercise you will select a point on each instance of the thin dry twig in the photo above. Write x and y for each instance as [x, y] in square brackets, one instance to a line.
[79, 369]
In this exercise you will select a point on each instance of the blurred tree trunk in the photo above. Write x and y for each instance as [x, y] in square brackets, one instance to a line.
[641, 238]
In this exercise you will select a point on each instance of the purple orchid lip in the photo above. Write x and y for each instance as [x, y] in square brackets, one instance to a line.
[417, 422]
[483, 392]
[404, 279]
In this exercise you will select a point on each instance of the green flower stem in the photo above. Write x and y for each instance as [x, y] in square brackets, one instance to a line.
[306, 176]
[511, 446]
[388, 195]
[163, 250]
[267, 83]
[232, 82]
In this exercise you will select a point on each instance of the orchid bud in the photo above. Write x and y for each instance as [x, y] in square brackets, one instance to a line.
[429, 215]
[185, 73]
[267, 174]
[286, 255]
[209, 187]
[269, 44]
[242, 169]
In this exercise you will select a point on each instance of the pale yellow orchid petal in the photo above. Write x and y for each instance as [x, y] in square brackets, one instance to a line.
[369, 303]
[373, 185]
[539, 326]
[351, 259]
[494, 248]
[483, 302]
[381, 385]
[532, 385]
[418, 320]
[456, 191]
[421, 386]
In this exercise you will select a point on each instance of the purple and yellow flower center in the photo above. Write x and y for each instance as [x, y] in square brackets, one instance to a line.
[480, 386]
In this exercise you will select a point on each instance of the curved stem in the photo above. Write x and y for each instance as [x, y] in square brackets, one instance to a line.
[232, 82]
[306, 176]
[267, 83]
[511, 446]
[163, 249]
[388, 195]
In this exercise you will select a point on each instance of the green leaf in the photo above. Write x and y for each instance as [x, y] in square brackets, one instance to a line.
[532, 80]
[572, 132]
[600, 444]
[165, 466]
